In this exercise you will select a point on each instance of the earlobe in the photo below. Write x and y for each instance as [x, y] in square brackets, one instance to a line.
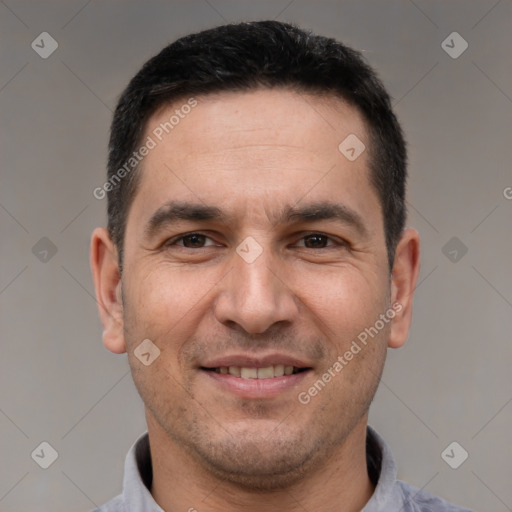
[403, 283]
[107, 283]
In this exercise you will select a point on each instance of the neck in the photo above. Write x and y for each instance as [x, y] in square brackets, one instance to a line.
[181, 483]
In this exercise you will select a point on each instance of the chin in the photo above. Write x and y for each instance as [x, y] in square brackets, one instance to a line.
[269, 474]
[263, 465]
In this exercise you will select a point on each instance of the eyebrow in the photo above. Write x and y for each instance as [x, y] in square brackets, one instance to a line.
[173, 212]
[324, 210]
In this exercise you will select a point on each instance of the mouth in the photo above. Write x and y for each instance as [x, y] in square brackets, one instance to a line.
[268, 372]
[251, 377]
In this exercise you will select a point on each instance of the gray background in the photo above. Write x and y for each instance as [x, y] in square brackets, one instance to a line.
[451, 382]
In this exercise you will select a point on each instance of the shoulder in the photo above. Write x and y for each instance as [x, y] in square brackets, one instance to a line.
[114, 505]
[422, 501]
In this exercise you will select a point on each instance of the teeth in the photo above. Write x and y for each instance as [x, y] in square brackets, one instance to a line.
[249, 373]
[278, 370]
[266, 373]
[257, 373]
[234, 370]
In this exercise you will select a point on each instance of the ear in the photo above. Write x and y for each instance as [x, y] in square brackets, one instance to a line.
[107, 282]
[403, 283]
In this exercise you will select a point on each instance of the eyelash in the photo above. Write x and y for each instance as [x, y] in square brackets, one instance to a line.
[340, 243]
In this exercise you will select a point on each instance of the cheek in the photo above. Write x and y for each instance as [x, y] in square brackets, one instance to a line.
[344, 300]
[163, 301]
[161, 388]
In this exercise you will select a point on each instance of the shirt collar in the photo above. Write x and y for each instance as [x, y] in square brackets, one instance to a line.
[138, 475]
[386, 491]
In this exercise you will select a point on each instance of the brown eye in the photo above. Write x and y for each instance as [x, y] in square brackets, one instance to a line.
[192, 241]
[316, 241]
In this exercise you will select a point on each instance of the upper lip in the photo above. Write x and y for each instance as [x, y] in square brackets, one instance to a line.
[254, 361]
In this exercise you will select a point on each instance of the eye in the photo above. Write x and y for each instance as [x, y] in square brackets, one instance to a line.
[191, 241]
[317, 241]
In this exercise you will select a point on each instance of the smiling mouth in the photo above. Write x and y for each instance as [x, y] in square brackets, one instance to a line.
[268, 372]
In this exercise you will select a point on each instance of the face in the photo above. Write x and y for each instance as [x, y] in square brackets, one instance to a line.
[254, 257]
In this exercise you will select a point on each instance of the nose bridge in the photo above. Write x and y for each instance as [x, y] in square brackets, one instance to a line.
[253, 295]
[256, 279]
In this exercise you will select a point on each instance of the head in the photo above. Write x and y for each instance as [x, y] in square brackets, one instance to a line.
[243, 235]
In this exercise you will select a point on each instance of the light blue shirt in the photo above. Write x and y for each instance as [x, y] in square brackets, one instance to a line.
[390, 495]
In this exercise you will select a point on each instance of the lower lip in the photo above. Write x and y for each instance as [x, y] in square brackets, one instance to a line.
[257, 388]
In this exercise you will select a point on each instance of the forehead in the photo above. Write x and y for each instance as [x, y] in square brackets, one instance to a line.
[271, 117]
[259, 146]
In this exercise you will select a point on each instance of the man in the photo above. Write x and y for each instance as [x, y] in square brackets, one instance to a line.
[255, 269]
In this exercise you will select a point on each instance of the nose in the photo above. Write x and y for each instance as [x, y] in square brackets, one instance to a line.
[256, 295]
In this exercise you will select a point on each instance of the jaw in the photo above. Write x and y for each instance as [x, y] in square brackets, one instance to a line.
[259, 456]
